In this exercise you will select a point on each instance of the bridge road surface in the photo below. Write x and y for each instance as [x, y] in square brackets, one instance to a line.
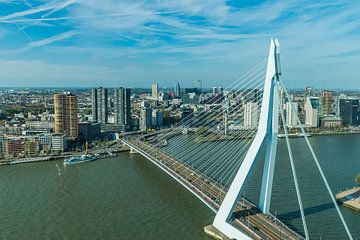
[249, 218]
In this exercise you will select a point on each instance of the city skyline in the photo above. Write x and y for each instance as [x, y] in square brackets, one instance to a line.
[85, 43]
[216, 144]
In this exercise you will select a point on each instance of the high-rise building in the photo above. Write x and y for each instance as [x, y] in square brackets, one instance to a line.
[217, 90]
[157, 118]
[326, 103]
[341, 96]
[251, 114]
[309, 92]
[312, 111]
[349, 111]
[89, 131]
[192, 90]
[66, 114]
[154, 90]
[163, 96]
[214, 90]
[145, 116]
[122, 107]
[198, 85]
[177, 90]
[99, 98]
[292, 110]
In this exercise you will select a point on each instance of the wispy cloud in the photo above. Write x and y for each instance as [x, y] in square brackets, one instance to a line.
[47, 41]
[45, 7]
[192, 34]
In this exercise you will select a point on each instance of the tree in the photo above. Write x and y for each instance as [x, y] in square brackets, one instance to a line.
[357, 179]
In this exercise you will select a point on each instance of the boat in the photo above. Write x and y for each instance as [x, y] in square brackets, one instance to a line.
[80, 159]
[294, 135]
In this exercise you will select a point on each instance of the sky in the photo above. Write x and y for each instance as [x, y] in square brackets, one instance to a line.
[130, 43]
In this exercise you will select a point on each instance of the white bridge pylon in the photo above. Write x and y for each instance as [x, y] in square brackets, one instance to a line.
[266, 137]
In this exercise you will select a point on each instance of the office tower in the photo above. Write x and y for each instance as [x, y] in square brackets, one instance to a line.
[177, 90]
[145, 116]
[122, 107]
[217, 90]
[312, 111]
[89, 131]
[220, 90]
[349, 111]
[157, 118]
[99, 98]
[163, 96]
[326, 103]
[309, 92]
[154, 90]
[214, 90]
[191, 90]
[251, 114]
[66, 114]
[198, 86]
[292, 110]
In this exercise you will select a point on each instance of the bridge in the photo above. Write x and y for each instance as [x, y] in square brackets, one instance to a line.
[212, 153]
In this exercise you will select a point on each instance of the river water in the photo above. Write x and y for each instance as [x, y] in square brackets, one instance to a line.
[127, 197]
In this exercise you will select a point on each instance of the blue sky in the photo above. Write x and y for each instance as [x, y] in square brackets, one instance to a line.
[88, 43]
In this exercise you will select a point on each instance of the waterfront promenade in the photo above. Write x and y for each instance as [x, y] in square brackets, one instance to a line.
[100, 153]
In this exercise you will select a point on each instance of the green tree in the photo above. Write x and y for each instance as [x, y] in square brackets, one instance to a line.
[357, 179]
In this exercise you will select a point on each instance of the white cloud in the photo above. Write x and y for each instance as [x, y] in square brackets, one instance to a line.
[201, 33]
[47, 41]
[42, 8]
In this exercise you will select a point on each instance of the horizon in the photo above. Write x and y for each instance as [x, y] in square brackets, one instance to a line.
[168, 88]
[72, 43]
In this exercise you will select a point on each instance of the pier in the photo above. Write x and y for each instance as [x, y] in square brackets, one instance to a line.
[350, 198]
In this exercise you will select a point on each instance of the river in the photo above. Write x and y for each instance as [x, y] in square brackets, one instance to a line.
[126, 197]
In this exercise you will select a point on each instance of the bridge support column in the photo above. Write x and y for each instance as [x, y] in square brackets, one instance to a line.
[269, 163]
[266, 136]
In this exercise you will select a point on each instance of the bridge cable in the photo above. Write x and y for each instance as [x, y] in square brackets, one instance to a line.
[293, 169]
[225, 144]
[318, 165]
[206, 116]
[240, 80]
[214, 118]
[245, 135]
[244, 78]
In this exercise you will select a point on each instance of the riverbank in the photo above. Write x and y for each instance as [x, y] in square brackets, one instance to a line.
[350, 198]
[99, 155]
[321, 133]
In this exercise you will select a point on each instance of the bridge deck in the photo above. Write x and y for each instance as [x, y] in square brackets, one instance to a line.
[247, 216]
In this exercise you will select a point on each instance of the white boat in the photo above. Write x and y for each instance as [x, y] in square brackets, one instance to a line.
[294, 135]
[79, 159]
